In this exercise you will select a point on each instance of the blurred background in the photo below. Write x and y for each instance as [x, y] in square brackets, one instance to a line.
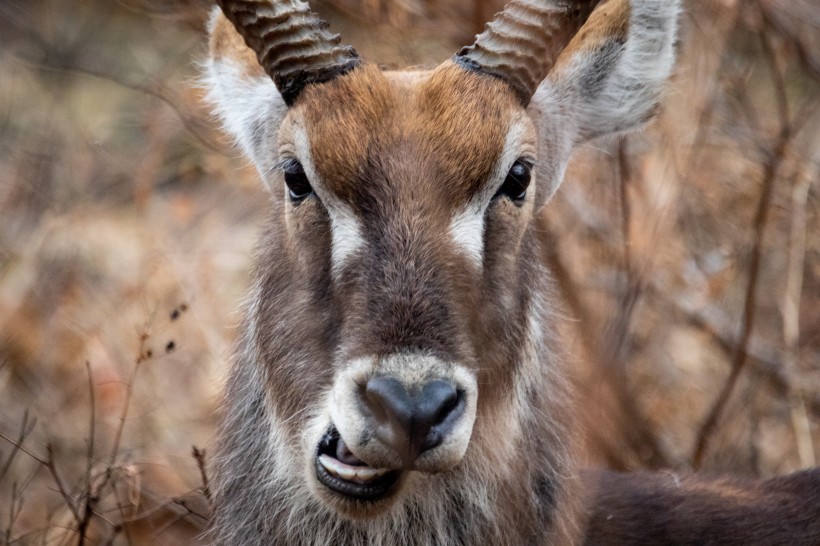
[687, 256]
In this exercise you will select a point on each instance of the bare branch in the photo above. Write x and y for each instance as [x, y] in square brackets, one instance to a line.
[791, 312]
[90, 498]
[26, 427]
[739, 359]
[199, 455]
[21, 447]
[52, 468]
[143, 354]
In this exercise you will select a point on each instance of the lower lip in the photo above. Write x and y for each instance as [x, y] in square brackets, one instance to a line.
[376, 490]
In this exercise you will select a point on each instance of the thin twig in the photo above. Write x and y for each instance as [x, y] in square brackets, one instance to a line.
[52, 468]
[26, 427]
[764, 358]
[614, 340]
[728, 23]
[791, 313]
[809, 62]
[24, 449]
[125, 519]
[48, 462]
[142, 356]
[739, 359]
[199, 455]
[611, 343]
[17, 501]
[190, 511]
[115, 531]
[91, 498]
[14, 511]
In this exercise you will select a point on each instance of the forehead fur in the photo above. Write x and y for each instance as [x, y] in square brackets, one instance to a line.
[445, 127]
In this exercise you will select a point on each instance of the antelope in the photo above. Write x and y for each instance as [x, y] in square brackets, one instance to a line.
[397, 379]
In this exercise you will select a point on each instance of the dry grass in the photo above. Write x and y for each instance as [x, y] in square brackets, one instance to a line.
[688, 256]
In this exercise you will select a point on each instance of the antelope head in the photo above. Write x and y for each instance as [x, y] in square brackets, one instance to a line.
[396, 352]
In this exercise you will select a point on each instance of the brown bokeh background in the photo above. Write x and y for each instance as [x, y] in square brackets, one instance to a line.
[686, 256]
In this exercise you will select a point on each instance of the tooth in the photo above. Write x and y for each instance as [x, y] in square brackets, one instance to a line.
[324, 460]
[367, 474]
[357, 474]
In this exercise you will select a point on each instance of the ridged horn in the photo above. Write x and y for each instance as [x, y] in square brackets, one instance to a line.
[291, 42]
[522, 43]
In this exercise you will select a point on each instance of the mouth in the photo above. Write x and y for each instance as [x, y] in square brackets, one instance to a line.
[343, 473]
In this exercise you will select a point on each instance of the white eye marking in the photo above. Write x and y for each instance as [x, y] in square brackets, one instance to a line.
[467, 231]
[467, 226]
[346, 235]
[345, 228]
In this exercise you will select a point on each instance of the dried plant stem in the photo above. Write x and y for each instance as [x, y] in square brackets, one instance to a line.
[24, 449]
[771, 167]
[791, 314]
[26, 426]
[763, 357]
[608, 352]
[718, 45]
[199, 455]
[614, 341]
[90, 498]
[739, 357]
[52, 469]
[142, 356]
[807, 57]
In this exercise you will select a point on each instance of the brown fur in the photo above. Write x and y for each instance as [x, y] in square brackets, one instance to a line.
[404, 157]
[662, 508]
[372, 118]
[398, 157]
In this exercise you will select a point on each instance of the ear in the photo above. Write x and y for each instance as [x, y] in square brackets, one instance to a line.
[609, 78]
[243, 96]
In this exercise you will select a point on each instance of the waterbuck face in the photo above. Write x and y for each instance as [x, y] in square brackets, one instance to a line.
[405, 203]
[395, 360]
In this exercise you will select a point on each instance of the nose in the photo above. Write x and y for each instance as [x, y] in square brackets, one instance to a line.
[412, 422]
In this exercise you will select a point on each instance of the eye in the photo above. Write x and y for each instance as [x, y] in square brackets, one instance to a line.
[517, 181]
[296, 180]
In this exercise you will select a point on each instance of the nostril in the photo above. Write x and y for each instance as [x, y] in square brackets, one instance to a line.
[440, 407]
[438, 398]
[388, 400]
[412, 423]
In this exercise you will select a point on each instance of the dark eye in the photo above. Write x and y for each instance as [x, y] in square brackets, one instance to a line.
[517, 181]
[296, 180]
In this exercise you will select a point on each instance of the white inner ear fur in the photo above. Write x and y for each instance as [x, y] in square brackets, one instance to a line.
[467, 225]
[614, 88]
[249, 107]
[607, 90]
[345, 228]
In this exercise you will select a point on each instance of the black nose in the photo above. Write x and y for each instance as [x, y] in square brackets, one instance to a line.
[412, 422]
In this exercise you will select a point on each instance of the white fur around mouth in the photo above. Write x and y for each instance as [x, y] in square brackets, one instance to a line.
[356, 474]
